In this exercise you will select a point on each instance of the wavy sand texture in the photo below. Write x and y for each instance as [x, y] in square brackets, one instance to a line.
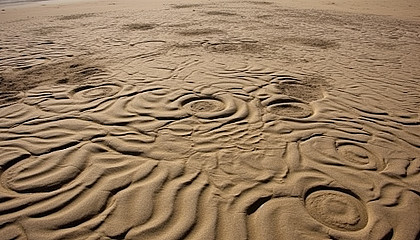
[228, 120]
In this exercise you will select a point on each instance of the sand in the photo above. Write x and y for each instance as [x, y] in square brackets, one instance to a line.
[210, 120]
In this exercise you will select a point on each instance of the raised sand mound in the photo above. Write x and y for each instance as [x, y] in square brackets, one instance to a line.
[238, 120]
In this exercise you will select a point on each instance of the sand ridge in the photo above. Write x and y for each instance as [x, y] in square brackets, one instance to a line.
[213, 120]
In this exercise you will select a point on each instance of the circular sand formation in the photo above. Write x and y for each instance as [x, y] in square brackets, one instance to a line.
[24, 177]
[206, 105]
[286, 106]
[307, 88]
[209, 107]
[354, 154]
[295, 110]
[95, 92]
[357, 156]
[337, 210]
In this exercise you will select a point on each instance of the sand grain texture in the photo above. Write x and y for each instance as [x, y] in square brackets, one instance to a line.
[212, 120]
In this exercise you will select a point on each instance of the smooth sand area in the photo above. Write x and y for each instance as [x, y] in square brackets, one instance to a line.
[210, 120]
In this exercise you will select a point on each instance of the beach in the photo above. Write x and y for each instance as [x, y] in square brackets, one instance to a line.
[210, 119]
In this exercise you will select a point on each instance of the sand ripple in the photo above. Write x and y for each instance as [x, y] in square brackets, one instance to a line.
[262, 123]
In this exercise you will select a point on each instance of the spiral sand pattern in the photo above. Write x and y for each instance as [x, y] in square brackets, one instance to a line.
[234, 120]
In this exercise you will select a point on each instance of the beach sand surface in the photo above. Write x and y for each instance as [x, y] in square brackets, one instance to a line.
[210, 120]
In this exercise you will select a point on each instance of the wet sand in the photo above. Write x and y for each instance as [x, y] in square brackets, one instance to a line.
[210, 120]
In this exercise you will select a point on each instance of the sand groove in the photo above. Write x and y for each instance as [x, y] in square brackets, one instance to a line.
[233, 120]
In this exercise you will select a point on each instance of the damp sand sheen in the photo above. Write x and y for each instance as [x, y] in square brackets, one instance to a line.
[210, 120]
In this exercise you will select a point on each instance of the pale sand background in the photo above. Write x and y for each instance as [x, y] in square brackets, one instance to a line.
[210, 120]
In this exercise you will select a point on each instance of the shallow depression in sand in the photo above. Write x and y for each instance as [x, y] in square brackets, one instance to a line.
[206, 105]
[209, 107]
[337, 210]
[357, 154]
[297, 110]
[94, 92]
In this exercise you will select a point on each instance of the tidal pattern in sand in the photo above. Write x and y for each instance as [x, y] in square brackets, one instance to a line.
[252, 122]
